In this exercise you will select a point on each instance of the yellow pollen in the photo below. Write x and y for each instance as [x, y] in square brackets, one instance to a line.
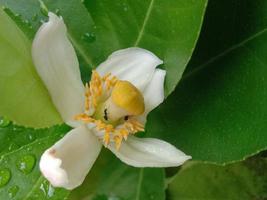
[131, 126]
[125, 95]
[118, 140]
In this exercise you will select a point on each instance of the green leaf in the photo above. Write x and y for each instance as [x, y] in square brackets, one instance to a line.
[124, 25]
[35, 12]
[20, 152]
[218, 112]
[23, 97]
[111, 179]
[168, 28]
[111, 26]
[244, 180]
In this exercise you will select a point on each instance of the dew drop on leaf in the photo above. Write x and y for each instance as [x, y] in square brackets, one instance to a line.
[34, 17]
[47, 189]
[31, 137]
[5, 176]
[4, 160]
[26, 163]
[17, 129]
[29, 148]
[13, 146]
[4, 122]
[13, 191]
[89, 37]
[27, 22]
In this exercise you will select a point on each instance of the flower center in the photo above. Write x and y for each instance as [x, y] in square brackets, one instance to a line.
[111, 105]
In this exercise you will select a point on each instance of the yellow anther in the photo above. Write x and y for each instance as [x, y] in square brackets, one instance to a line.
[127, 96]
[85, 118]
[118, 140]
[124, 133]
[125, 99]
[87, 97]
[109, 128]
[100, 125]
[106, 138]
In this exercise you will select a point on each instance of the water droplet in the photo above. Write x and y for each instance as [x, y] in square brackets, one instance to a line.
[17, 15]
[4, 122]
[5, 176]
[89, 37]
[26, 163]
[17, 129]
[13, 146]
[35, 17]
[125, 7]
[29, 148]
[4, 160]
[13, 191]
[31, 137]
[47, 189]
[26, 22]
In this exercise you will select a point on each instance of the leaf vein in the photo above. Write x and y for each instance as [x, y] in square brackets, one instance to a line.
[139, 37]
[225, 52]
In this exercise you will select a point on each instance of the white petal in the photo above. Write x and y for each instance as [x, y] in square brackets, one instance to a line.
[135, 65]
[149, 152]
[57, 65]
[67, 162]
[153, 93]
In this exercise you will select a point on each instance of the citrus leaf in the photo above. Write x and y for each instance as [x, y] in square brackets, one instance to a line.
[169, 29]
[218, 112]
[111, 179]
[20, 152]
[110, 26]
[244, 180]
[24, 99]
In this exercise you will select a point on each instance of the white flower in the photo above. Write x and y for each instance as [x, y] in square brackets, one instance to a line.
[114, 106]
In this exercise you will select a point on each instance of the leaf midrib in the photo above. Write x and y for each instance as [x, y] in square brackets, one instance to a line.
[223, 53]
[141, 32]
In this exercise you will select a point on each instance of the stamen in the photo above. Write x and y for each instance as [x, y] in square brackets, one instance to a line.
[106, 76]
[93, 90]
[96, 85]
[131, 126]
[118, 140]
[87, 97]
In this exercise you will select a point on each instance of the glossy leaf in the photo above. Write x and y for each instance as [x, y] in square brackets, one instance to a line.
[218, 112]
[20, 152]
[111, 179]
[24, 99]
[244, 180]
[167, 28]
[110, 26]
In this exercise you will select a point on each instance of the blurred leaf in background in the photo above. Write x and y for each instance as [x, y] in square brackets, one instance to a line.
[242, 180]
[24, 99]
[112, 179]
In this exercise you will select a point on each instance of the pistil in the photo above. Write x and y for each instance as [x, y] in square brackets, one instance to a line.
[115, 105]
